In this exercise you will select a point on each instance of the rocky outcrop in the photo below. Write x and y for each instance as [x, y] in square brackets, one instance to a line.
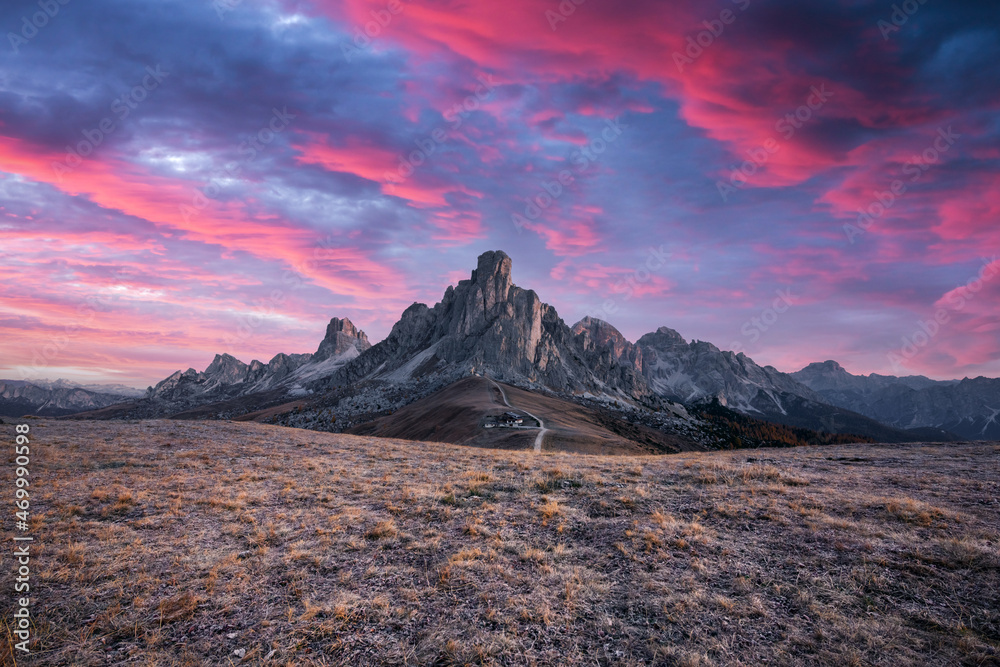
[341, 335]
[226, 369]
[610, 355]
[689, 372]
[228, 377]
[284, 365]
[489, 325]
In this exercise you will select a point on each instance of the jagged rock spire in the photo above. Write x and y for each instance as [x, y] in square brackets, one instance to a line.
[341, 334]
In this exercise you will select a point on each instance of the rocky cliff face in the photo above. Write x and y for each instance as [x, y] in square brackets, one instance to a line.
[610, 355]
[341, 336]
[693, 371]
[228, 377]
[969, 408]
[489, 325]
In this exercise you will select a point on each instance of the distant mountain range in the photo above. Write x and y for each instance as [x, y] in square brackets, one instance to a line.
[489, 326]
[290, 374]
[59, 397]
[969, 408]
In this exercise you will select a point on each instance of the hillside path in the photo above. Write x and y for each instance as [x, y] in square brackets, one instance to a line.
[541, 433]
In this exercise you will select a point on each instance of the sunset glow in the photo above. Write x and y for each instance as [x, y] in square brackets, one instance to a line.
[180, 179]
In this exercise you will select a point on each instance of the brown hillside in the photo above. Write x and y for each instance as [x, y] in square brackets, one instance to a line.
[456, 413]
[212, 543]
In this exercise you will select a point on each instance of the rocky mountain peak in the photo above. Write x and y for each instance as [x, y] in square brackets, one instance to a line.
[226, 365]
[344, 326]
[664, 337]
[825, 375]
[341, 335]
[225, 369]
[828, 366]
[591, 331]
[595, 324]
[493, 277]
[490, 324]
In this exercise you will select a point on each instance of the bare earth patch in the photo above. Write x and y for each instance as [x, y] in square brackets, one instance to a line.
[196, 543]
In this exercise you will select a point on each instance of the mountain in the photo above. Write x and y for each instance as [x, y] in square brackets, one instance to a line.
[829, 376]
[19, 397]
[97, 388]
[693, 371]
[488, 326]
[227, 377]
[699, 372]
[970, 408]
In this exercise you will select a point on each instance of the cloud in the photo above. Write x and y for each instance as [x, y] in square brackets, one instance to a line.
[192, 209]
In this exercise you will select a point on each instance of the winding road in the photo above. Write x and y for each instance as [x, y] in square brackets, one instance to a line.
[541, 424]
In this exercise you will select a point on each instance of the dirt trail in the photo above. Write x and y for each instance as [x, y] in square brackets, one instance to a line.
[542, 430]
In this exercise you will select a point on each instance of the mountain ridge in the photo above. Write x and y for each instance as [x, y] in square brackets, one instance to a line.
[969, 407]
[21, 397]
[488, 325]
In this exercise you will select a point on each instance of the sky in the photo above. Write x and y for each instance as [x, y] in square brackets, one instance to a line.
[799, 181]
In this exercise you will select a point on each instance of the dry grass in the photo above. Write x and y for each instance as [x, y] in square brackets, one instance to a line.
[209, 543]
